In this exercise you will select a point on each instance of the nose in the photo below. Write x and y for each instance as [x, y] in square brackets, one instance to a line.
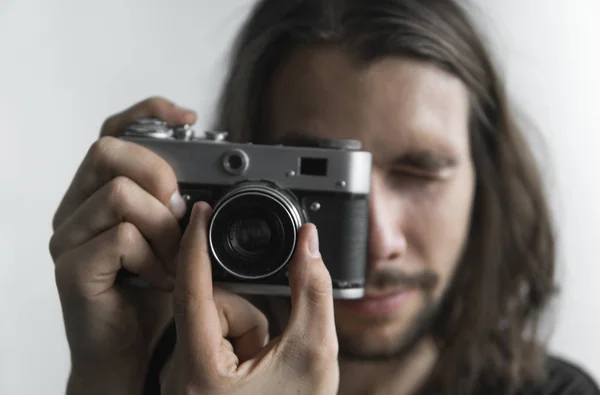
[387, 241]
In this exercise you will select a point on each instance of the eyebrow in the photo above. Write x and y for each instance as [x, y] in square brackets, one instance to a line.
[426, 160]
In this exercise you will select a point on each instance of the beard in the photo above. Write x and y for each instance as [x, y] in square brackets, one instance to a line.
[354, 347]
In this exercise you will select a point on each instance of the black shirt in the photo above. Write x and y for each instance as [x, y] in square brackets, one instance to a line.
[564, 378]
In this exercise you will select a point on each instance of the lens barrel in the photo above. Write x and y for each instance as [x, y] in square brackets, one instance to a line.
[253, 230]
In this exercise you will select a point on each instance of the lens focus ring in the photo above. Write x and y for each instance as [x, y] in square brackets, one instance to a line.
[253, 230]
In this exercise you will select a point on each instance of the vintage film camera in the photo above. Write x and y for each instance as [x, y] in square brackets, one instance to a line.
[262, 194]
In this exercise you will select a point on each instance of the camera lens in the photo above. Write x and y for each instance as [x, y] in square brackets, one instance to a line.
[250, 236]
[253, 230]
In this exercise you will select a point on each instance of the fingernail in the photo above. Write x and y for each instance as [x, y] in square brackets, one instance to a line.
[200, 214]
[190, 118]
[313, 244]
[189, 115]
[177, 205]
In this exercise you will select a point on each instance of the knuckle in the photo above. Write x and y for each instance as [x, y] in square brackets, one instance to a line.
[118, 192]
[54, 247]
[100, 150]
[126, 235]
[320, 286]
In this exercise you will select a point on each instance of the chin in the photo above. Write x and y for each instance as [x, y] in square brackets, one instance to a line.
[382, 328]
[381, 341]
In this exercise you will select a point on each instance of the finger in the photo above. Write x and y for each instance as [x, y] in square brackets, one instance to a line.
[242, 323]
[157, 107]
[196, 315]
[120, 200]
[311, 321]
[109, 158]
[91, 268]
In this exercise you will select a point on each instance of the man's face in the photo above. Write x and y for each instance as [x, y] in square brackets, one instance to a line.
[413, 117]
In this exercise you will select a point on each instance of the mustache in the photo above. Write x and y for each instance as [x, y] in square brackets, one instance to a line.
[390, 278]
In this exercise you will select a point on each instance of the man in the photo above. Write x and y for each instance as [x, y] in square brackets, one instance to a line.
[461, 248]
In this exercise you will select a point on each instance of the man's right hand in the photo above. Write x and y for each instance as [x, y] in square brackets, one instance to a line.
[120, 212]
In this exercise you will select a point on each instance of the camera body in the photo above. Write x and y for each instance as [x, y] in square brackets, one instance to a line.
[261, 195]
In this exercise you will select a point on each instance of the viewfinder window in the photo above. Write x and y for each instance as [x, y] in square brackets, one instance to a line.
[313, 166]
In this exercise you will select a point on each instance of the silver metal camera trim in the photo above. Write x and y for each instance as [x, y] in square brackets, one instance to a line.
[285, 290]
[262, 190]
[200, 162]
[245, 162]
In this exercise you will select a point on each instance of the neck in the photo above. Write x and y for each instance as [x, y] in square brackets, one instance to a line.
[401, 376]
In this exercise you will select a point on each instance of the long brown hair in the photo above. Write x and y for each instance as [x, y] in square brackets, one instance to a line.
[488, 327]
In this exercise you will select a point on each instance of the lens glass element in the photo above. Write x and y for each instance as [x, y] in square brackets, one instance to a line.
[253, 233]
[250, 236]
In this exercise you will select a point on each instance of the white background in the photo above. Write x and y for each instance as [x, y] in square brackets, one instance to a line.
[66, 65]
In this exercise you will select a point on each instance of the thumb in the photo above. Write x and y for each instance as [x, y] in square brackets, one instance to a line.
[312, 315]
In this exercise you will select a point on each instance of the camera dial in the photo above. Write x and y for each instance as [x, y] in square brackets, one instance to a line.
[150, 127]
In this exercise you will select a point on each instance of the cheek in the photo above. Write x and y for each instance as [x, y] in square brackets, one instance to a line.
[437, 224]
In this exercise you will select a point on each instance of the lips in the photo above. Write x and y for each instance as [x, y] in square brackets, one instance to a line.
[378, 303]
[375, 293]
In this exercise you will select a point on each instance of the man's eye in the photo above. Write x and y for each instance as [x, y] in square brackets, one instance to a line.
[416, 174]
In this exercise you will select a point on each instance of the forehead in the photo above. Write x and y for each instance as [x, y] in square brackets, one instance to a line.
[322, 92]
